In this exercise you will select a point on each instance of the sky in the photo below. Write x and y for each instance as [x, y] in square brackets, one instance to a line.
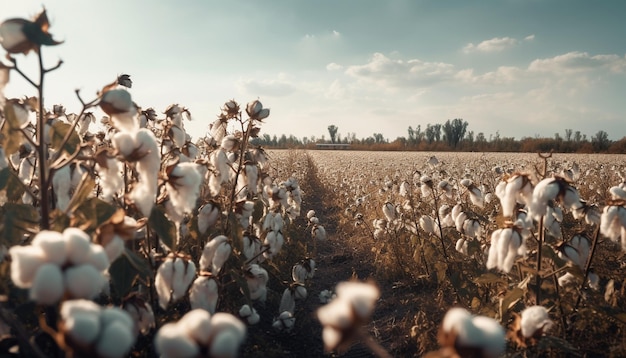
[518, 68]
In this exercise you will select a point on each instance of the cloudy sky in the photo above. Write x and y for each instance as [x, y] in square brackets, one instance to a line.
[517, 67]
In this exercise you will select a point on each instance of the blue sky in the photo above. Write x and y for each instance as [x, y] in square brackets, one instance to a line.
[517, 67]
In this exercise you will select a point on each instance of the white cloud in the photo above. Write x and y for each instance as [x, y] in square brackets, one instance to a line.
[334, 67]
[336, 90]
[398, 73]
[529, 37]
[576, 62]
[495, 44]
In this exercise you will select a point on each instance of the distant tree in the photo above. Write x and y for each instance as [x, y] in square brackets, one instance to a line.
[600, 141]
[332, 130]
[454, 131]
[577, 137]
[433, 133]
[568, 134]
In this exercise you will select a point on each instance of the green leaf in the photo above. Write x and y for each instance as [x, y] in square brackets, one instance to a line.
[126, 270]
[10, 182]
[58, 131]
[12, 136]
[162, 226]
[85, 188]
[511, 298]
[15, 220]
[92, 213]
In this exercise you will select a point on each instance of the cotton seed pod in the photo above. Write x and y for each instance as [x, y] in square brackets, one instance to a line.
[25, 261]
[78, 245]
[300, 292]
[53, 245]
[215, 254]
[207, 217]
[288, 301]
[116, 101]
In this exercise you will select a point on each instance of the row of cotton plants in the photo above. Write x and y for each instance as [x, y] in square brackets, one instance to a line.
[134, 240]
[500, 232]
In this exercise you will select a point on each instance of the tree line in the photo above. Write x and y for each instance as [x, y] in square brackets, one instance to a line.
[454, 135]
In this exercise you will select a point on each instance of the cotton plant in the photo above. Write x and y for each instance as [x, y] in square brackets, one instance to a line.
[204, 293]
[530, 325]
[58, 264]
[215, 254]
[507, 244]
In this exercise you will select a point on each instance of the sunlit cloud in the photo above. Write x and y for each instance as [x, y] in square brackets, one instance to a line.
[579, 62]
[495, 44]
[334, 67]
[529, 37]
[271, 88]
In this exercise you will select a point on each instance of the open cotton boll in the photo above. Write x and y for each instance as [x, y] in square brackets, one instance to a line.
[225, 322]
[362, 296]
[61, 183]
[184, 273]
[183, 187]
[209, 251]
[78, 245]
[124, 142]
[225, 344]
[25, 261]
[115, 341]
[141, 313]
[145, 191]
[204, 294]
[163, 282]
[287, 302]
[172, 341]
[47, 287]
[98, 258]
[114, 248]
[249, 314]
[535, 321]
[492, 338]
[111, 179]
[207, 217]
[84, 281]
[53, 245]
[82, 327]
[197, 324]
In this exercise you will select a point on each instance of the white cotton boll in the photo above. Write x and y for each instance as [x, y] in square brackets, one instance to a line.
[184, 273]
[144, 192]
[326, 296]
[535, 319]
[163, 282]
[284, 322]
[61, 183]
[256, 278]
[544, 191]
[204, 294]
[287, 302]
[389, 210]
[207, 217]
[111, 179]
[53, 245]
[98, 258]
[114, 248]
[25, 261]
[455, 317]
[115, 341]
[476, 197]
[26, 170]
[78, 245]
[183, 187]
[225, 345]
[208, 253]
[300, 292]
[567, 280]
[82, 327]
[428, 224]
[222, 253]
[249, 314]
[251, 246]
[172, 342]
[492, 258]
[461, 246]
[571, 198]
[84, 281]
[456, 211]
[314, 220]
[197, 324]
[124, 142]
[310, 214]
[47, 287]
[617, 193]
[459, 221]
[141, 313]
[493, 337]
[361, 296]
[319, 233]
[223, 322]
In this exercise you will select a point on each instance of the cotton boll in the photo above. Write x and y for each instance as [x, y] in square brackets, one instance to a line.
[197, 324]
[53, 245]
[534, 321]
[204, 294]
[141, 313]
[207, 217]
[82, 327]
[61, 183]
[225, 344]
[47, 287]
[172, 342]
[287, 302]
[210, 250]
[184, 273]
[84, 281]
[25, 261]
[300, 292]
[124, 142]
[222, 322]
[183, 187]
[114, 248]
[98, 258]
[115, 341]
[78, 245]
[492, 338]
